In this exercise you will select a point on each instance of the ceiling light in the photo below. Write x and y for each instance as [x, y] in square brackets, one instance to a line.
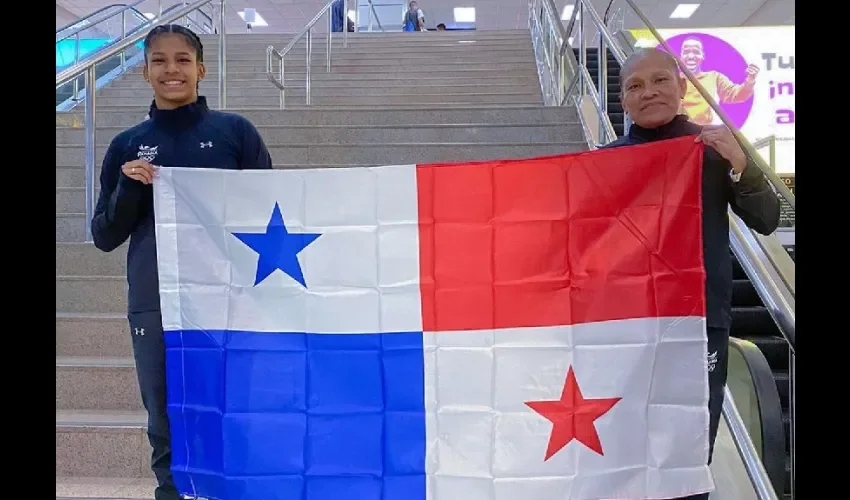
[150, 15]
[464, 14]
[258, 19]
[684, 10]
[570, 40]
[568, 12]
[352, 15]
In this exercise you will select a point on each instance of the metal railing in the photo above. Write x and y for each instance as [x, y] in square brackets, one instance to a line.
[84, 24]
[87, 67]
[372, 12]
[770, 142]
[307, 34]
[566, 81]
[755, 469]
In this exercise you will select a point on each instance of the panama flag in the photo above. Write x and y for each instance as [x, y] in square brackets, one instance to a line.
[506, 330]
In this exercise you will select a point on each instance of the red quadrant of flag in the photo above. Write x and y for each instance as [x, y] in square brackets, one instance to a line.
[562, 240]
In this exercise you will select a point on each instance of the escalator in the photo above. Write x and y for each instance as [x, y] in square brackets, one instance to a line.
[614, 109]
[65, 92]
[752, 322]
[756, 396]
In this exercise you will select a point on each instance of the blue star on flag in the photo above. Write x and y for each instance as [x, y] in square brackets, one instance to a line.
[277, 248]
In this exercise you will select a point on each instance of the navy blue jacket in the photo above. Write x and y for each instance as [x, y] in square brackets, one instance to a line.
[751, 199]
[189, 136]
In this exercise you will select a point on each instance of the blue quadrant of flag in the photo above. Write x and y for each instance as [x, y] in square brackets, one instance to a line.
[299, 416]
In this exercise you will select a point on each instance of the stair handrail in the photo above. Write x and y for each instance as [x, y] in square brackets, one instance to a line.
[307, 32]
[746, 449]
[375, 12]
[88, 66]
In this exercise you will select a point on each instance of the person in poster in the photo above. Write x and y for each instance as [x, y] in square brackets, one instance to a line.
[721, 88]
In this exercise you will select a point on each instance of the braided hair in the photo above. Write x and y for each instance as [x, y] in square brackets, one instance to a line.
[191, 38]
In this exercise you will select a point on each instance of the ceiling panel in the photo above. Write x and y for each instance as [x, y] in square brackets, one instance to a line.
[287, 16]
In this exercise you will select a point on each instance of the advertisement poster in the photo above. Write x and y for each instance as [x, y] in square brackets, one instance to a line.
[750, 72]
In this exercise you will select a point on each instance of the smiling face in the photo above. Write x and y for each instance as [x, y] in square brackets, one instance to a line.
[173, 70]
[692, 55]
[651, 88]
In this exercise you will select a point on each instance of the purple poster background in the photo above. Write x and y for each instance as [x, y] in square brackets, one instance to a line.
[722, 57]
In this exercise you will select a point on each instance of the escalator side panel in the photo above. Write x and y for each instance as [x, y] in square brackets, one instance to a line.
[757, 399]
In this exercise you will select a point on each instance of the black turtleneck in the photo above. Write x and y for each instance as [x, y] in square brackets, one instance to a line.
[191, 135]
[750, 198]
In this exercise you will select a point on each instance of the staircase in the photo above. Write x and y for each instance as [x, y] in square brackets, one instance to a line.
[428, 97]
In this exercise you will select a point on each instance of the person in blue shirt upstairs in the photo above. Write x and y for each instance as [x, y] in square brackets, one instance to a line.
[181, 132]
[339, 18]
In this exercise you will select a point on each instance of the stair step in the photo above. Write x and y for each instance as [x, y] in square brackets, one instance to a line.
[415, 92]
[127, 116]
[70, 227]
[96, 384]
[358, 134]
[92, 334]
[748, 322]
[378, 153]
[372, 102]
[91, 294]
[84, 259]
[295, 81]
[104, 488]
[102, 444]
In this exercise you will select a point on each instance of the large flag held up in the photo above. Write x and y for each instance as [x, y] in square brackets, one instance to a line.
[520, 329]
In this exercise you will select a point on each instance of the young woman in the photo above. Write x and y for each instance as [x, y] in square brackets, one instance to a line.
[181, 132]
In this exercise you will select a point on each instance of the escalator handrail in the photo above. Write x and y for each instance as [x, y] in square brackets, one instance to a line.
[772, 289]
[770, 411]
[124, 8]
[89, 16]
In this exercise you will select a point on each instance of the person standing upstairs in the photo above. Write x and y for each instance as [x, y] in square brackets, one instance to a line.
[414, 18]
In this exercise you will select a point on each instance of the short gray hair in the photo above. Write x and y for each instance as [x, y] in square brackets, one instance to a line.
[640, 54]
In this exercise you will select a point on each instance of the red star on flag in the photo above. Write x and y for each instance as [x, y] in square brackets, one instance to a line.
[572, 417]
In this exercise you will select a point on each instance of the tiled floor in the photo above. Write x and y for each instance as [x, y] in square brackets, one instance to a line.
[89, 488]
